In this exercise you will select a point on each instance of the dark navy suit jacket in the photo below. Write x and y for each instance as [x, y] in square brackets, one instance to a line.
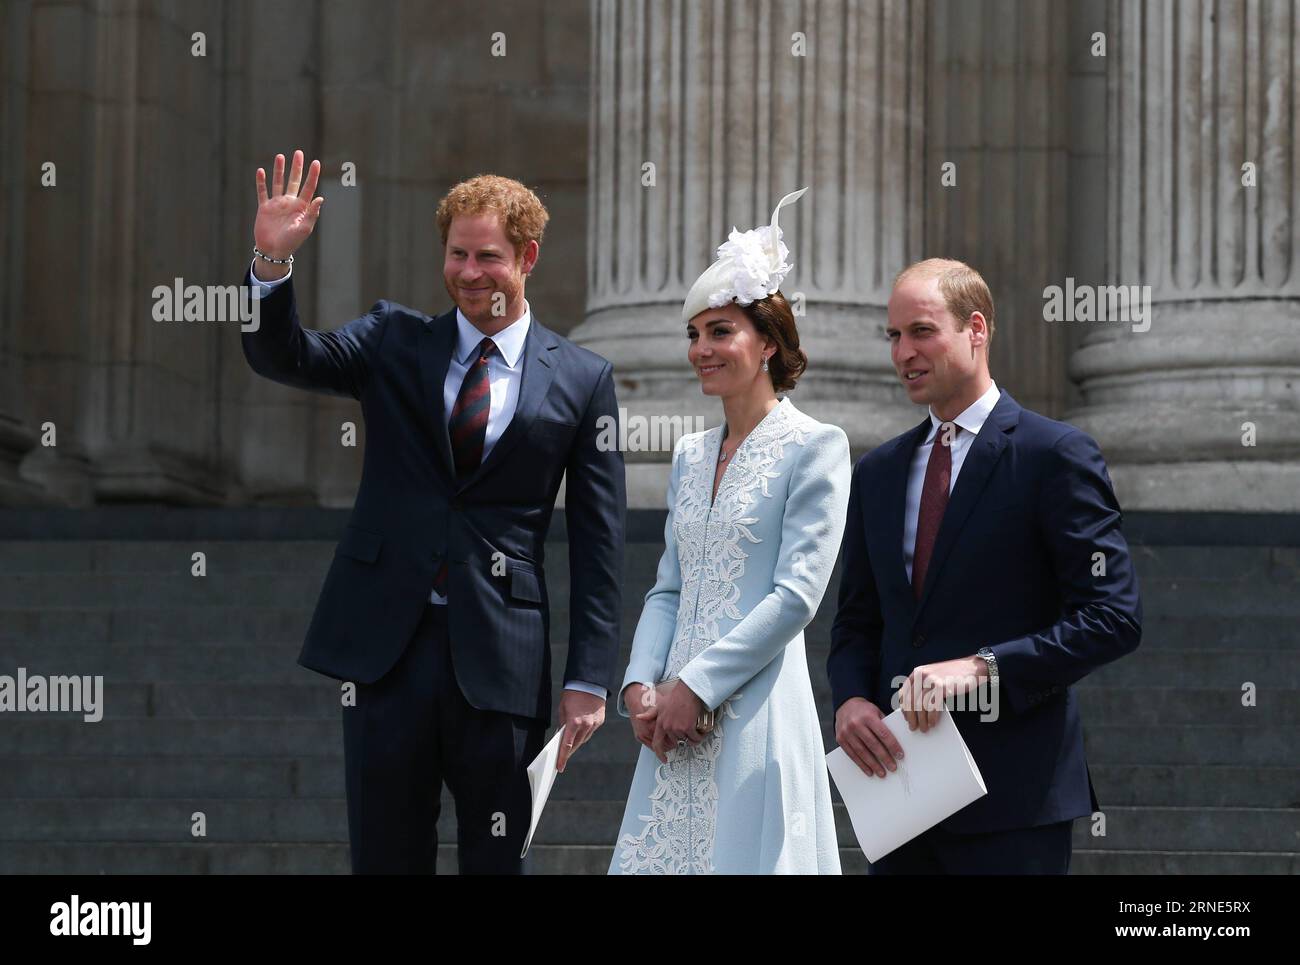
[1013, 570]
[410, 512]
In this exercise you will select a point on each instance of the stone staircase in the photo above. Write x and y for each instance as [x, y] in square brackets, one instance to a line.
[206, 711]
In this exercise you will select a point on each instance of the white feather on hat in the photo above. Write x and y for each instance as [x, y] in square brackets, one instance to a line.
[750, 266]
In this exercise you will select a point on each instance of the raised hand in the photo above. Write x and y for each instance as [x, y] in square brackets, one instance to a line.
[287, 216]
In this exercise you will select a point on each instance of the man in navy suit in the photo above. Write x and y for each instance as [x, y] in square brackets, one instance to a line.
[436, 605]
[982, 555]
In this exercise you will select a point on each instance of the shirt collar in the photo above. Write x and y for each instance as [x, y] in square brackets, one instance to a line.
[974, 416]
[509, 341]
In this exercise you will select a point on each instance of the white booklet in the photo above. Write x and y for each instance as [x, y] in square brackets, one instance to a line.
[936, 778]
[541, 776]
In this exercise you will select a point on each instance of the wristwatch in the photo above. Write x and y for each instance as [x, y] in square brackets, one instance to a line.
[992, 661]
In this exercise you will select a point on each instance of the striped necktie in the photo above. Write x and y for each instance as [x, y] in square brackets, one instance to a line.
[469, 416]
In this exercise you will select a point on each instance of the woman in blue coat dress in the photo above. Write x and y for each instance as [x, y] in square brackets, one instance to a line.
[732, 776]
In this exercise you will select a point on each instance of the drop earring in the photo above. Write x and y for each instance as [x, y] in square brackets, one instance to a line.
[765, 365]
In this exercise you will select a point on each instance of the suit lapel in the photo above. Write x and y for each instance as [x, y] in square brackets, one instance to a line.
[539, 372]
[437, 342]
[983, 456]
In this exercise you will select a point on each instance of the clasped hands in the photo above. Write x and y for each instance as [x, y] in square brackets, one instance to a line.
[664, 715]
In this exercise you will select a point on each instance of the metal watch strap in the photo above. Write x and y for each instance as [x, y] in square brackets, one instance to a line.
[992, 661]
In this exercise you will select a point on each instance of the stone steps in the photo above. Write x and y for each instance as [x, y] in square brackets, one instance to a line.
[239, 776]
[253, 685]
[238, 589]
[275, 557]
[261, 858]
[207, 710]
[134, 624]
[566, 822]
[1203, 670]
[1149, 862]
[38, 735]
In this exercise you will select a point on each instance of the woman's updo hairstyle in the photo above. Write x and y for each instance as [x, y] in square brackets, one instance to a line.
[773, 318]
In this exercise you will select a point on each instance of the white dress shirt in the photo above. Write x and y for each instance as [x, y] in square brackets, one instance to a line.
[970, 421]
[505, 374]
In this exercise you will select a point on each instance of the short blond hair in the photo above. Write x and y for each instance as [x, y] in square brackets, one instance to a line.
[522, 214]
[963, 288]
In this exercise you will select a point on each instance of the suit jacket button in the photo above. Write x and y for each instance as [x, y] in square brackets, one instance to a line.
[918, 640]
[456, 505]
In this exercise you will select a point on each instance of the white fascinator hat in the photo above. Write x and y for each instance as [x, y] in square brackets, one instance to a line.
[750, 266]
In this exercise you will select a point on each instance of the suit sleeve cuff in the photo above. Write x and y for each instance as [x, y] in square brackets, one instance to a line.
[581, 685]
[698, 683]
[262, 287]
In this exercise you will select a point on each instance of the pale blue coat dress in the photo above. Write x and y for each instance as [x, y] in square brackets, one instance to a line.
[738, 582]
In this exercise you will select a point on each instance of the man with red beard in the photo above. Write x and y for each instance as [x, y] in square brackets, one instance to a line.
[436, 605]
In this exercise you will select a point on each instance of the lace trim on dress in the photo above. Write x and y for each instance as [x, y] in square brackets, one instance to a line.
[679, 830]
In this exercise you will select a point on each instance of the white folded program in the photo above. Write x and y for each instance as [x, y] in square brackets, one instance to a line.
[936, 778]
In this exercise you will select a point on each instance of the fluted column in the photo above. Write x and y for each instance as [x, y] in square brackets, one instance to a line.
[716, 98]
[48, 346]
[998, 119]
[127, 121]
[1196, 91]
[16, 433]
[272, 440]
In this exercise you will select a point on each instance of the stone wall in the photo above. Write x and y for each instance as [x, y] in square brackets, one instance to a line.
[996, 131]
[154, 152]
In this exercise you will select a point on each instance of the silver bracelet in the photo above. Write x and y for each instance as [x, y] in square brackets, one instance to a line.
[275, 261]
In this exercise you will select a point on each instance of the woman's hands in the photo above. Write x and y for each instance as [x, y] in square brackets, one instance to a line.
[641, 704]
[664, 716]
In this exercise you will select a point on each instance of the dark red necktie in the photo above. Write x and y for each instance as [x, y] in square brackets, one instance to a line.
[468, 428]
[934, 500]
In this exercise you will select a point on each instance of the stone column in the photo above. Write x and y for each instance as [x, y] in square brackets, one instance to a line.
[735, 104]
[998, 117]
[274, 75]
[50, 340]
[130, 119]
[17, 435]
[1197, 91]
